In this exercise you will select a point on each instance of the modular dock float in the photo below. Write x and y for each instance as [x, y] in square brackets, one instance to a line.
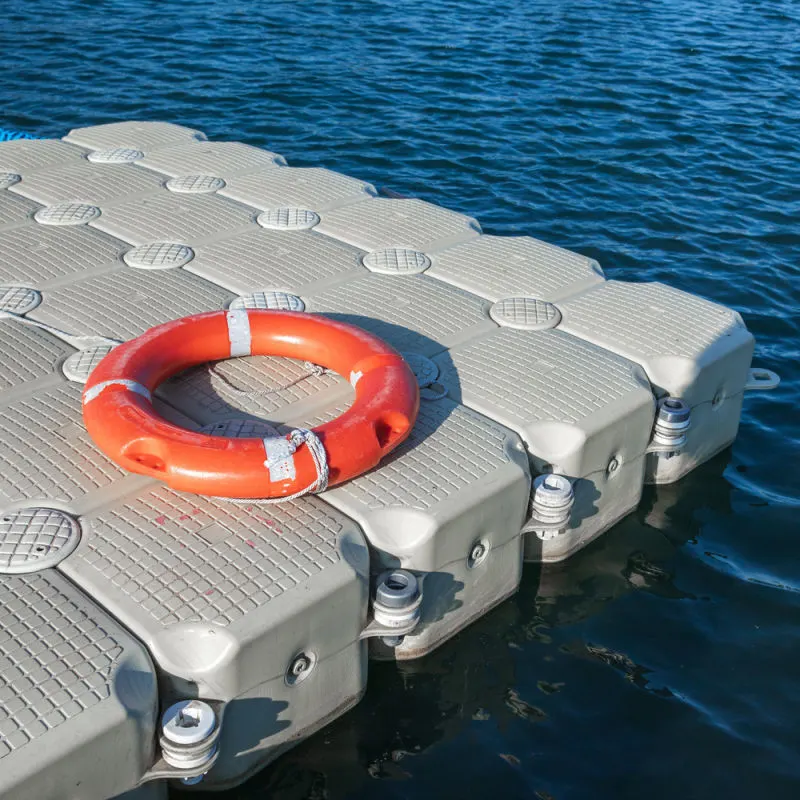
[149, 635]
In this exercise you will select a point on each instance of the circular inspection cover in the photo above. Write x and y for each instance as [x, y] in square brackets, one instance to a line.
[195, 184]
[525, 313]
[78, 367]
[240, 429]
[288, 219]
[67, 214]
[36, 538]
[159, 255]
[425, 371]
[273, 300]
[9, 179]
[397, 261]
[18, 299]
[115, 155]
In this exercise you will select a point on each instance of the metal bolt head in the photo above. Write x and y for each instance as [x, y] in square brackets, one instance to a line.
[300, 668]
[674, 410]
[188, 722]
[552, 490]
[300, 665]
[397, 588]
[477, 555]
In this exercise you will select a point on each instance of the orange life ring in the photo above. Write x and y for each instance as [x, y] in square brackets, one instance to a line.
[119, 415]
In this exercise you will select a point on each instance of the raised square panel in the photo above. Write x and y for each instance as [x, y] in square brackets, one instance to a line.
[144, 136]
[689, 347]
[413, 313]
[27, 156]
[226, 597]
[96, 701]
[123, 304]
[507, 266]
[382, 224]
[582, 412]
[169, 216]
[39, 255]
[257, 259]
[221, 159]
[96, 184]
[312, 188]
[459, 480]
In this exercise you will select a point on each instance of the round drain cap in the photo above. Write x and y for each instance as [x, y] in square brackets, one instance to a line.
[159, 255]
[425, 371]
[195, 184]
[288, 219]
[396, 261]
[18, 299]
[9, 179]
[67, 214]
[36, 538]
[115, 155]
[525, 313]
[78, 367]
[240, 429]
[273, 300]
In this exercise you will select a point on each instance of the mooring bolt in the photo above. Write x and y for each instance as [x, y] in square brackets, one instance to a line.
[551, 504]
[396, 603]
[672, 423]
[189, 733]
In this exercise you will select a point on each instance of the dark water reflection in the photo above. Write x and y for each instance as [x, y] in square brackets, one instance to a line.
[645, 666]
[659, 138]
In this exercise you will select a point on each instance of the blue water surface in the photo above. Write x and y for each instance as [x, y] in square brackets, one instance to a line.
[657, 137]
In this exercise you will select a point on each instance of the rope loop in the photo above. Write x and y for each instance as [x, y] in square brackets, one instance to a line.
[297, 438]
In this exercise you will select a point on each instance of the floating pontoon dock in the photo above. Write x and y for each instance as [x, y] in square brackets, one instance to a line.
[544, 411]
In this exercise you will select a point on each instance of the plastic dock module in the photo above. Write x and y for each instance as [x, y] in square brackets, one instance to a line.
[76, 691]
[195, 639]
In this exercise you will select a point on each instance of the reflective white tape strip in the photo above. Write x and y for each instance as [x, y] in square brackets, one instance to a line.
[280, 458]
[90, 394]
[355, 377]
[239, 332]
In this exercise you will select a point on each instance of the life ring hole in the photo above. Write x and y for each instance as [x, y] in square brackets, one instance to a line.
[389, 428]
[149, 461]
[147, 455]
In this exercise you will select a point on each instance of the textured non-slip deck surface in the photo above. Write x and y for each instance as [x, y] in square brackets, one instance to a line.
[259, 258]
[39, 255]
[176, 558]
[74, 687]
[528, 360]
[222, 159]
[56, 661]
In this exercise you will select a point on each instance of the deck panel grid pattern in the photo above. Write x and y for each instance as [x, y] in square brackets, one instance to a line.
[187, 558]
[55, 659]
[37, 254]
[47, 452]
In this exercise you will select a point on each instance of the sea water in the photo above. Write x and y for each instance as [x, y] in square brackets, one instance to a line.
[660, 138]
